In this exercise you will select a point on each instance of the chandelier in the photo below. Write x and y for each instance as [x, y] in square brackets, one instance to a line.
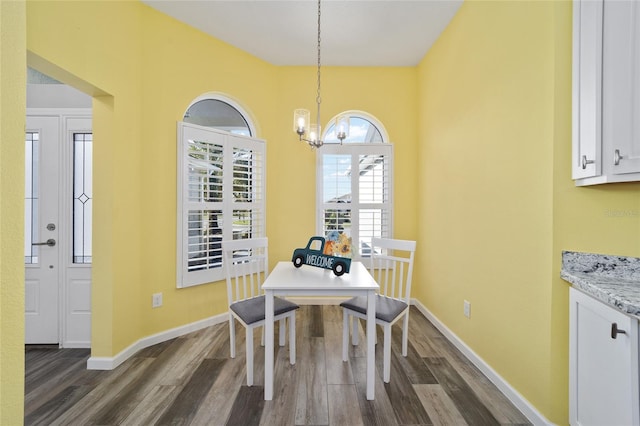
[311, 132]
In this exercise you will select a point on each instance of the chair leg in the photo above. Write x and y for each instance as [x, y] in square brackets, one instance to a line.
[249, 356]
[405, 334]
[345, 335]
[283, 330]
[355, 336]
[232, 336]
[292, 339]
[387, 353]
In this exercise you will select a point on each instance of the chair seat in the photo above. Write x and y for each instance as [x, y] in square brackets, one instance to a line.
[252, 310]
[387, 309]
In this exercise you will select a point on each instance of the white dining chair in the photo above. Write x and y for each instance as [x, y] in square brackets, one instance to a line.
[392, 268]
[246, 264]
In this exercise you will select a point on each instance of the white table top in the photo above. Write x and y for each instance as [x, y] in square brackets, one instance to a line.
[285, 276]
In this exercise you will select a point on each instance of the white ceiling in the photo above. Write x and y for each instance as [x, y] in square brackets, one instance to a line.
[353, 32]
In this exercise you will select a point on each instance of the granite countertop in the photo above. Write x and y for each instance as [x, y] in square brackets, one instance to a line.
[614, 280]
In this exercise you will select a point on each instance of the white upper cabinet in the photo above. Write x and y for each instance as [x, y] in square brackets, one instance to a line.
[606, 91]
[587, 89]
[621, 79]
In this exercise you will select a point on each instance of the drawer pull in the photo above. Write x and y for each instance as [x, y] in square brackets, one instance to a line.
[615, 331]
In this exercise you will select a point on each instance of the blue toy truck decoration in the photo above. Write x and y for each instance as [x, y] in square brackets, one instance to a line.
[308, 256]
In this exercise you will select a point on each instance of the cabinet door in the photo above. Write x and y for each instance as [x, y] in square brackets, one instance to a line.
[621, 98]
[587, 88]
[603, 373]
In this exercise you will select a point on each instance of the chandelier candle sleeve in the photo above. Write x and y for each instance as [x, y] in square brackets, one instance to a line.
[314, 132]
[301, 118]
[342, 127]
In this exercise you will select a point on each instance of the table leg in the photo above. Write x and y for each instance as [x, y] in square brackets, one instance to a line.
[268, 347]
[371, 350]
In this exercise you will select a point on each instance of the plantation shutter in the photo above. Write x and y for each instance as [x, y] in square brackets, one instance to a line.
[359, 203]
[221, 182]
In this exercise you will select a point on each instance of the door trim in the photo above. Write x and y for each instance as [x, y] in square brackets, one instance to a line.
[65, 214]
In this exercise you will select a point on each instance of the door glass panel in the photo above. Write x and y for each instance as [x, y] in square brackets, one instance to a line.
[82, 196]
[31, 199]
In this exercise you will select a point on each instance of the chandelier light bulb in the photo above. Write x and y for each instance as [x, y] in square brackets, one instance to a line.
[342, 127]
[300, 120]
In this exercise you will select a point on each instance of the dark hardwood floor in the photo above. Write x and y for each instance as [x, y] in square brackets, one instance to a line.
[192, 381]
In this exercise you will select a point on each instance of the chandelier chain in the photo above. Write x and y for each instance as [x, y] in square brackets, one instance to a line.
[318, 98]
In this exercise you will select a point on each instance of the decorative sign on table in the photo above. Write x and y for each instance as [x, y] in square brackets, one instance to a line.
[333, 253]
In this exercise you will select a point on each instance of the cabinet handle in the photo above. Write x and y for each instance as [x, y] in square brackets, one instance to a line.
[585, 162]
[615, 331]
[616, 157]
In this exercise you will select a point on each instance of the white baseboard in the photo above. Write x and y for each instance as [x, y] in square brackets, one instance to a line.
[530, 412]
[76, 344]
[109, 363]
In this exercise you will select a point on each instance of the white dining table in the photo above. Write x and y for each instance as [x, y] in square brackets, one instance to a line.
[287, 280]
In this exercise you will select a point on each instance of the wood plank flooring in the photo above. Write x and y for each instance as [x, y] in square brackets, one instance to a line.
[191, 380]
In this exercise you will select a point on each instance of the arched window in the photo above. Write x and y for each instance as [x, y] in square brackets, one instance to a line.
[221, 186]
[357, 205]
[363, 128]
[220, 112]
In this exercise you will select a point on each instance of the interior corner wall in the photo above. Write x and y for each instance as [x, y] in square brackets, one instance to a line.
[12, 124]
[148, 70]
[495, 107]
[387, 93]
[61, 42]
[486, 153]
[601, 219]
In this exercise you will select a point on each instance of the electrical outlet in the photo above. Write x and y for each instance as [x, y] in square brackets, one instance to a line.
[467, 309]
[157, 300]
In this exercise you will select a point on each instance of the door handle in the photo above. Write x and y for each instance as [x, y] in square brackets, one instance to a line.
[50, 242]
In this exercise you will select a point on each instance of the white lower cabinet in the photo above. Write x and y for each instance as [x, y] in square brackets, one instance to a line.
[603, 364]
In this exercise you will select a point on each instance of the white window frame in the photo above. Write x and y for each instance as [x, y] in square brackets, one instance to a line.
[230, 143]
[355, 150]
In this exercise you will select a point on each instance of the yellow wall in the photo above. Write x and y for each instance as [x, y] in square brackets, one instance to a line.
[487, 112]
[498, 201]
[143, 75]
[12, 122]
[386, 93]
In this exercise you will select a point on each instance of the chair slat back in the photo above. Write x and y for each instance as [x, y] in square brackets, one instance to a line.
[392, 266]
[246, 264]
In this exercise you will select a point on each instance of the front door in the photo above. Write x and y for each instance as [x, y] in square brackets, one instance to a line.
[58, 211]
[42, 283]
